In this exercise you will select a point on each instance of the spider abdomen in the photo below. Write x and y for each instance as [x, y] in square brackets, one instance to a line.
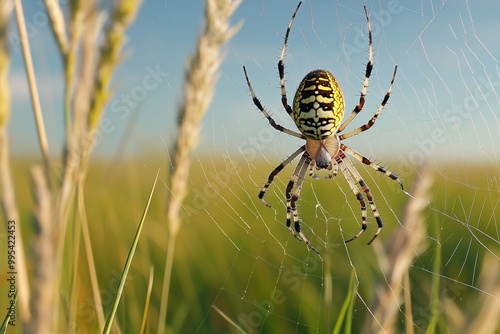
[318, 106]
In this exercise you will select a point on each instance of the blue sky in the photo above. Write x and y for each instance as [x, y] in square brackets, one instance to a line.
[445, 100]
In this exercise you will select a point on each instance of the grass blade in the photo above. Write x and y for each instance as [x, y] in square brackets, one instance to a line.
[5, 322]
[434, 298]
[148, 299]
[228, 319]
[347, 307]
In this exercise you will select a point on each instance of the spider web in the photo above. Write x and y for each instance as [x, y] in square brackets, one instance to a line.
[438, 133]
[435, 264]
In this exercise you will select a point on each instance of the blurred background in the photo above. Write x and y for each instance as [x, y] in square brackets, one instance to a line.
[446, 53]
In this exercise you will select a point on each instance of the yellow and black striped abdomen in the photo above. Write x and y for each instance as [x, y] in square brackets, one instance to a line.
[318, 106]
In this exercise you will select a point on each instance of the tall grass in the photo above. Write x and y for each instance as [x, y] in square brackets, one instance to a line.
[396, 258]
[7, 188]
[200, 78]
[85, 100]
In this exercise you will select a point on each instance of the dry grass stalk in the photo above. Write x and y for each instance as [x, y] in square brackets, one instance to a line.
[89, 96]
[486, 319]
[76, 103]
[81, 103]
[57, 24]
[6, 187]
[70, 170]
[123, 15]
[5, 10]
[78, 11]
[41, 305]
[404, 245]
[50, 238]
[35, 100]
[200, 78]
[480, 315]
[44, 270]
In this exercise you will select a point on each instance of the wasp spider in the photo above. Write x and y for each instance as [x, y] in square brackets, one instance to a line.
[318, 110]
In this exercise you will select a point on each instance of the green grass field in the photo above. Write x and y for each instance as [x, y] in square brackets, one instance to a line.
[234, 257]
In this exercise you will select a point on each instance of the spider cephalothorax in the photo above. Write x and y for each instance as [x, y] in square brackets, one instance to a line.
[318, 111]
[323, 151]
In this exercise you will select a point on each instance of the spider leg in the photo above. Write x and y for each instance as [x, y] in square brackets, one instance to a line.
[358, 195]
[366, 81]
[292, 195]
[259, 105]
[281, 65]
[375, 116]
[276, 171]
[291, 185]
[351, 173]
[311, 170]
[334, 172]
[373, 165]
